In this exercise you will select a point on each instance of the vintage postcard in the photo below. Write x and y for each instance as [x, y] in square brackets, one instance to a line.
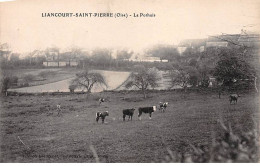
[129, 81]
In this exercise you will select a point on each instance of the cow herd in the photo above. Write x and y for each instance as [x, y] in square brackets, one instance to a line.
[146, 110]
[130, 112]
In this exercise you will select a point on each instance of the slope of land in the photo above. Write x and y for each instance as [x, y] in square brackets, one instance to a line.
[31, 130]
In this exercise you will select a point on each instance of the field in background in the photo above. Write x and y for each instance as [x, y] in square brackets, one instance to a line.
[50, 75]
[58, 79]
[114, 79]
[163, 84]
[70, 137]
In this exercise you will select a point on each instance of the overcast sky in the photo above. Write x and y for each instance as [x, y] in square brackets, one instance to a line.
[24, 29]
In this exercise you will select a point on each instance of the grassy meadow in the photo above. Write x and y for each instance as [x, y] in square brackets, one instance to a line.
[31, 130]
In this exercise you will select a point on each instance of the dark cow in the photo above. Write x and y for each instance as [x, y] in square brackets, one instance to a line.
[101, 100]
[234, 98]
[146, 110]
[129, 112]
[101, 115]
[163, 106]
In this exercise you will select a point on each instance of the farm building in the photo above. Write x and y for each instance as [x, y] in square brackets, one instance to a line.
[60, 63]
[148, 59]
[196, 44]
[55, 59]
[249, 39]
[217, 44]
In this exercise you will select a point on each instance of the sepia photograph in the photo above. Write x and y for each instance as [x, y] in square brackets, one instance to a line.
[129, 81]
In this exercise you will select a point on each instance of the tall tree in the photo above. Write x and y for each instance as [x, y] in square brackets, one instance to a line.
[4, 54]
[124, 54]
[7, 80]
[101, 57]
[143, 78]
[14, 59]
[183, 75]
[73, 54]
[87, 80]
[232, 66]
[164, 52]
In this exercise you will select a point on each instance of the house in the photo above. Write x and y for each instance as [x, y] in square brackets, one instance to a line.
[249, 39]
[147, 59]
[181, 49]
[224, 40]
[60, 63]
[52, 56]
[55, 59]
[151, 59]
[216, 44]
[195, 44]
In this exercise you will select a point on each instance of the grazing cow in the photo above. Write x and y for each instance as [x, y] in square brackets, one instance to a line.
[163, 106]
[146, 110]
[101, 100]
[234, 98]
[58, 109]
[101, 115]
[128, 112]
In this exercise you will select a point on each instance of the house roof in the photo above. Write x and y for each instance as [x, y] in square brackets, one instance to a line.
[249, 38]
[217, 44]
[192, 43]
[230, 39]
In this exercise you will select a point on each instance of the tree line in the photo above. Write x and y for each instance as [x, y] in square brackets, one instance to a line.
[99, 58]
[229, 66]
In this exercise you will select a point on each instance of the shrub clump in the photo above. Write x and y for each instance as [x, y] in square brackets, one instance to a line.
[227, 147]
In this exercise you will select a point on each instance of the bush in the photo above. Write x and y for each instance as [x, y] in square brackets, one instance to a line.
[14, 80]
[28, 78]
[7, 82]
[25, 84]
[45, 74]
[72, 88]
[227, 147]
